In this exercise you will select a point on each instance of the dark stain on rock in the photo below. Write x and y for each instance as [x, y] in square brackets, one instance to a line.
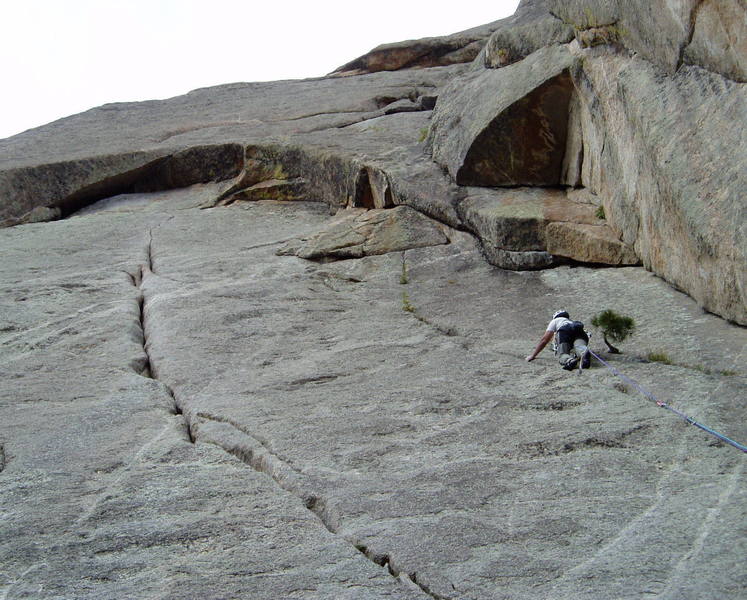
[525, 144]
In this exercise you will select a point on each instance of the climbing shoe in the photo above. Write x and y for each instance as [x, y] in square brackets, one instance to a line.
[571, 363]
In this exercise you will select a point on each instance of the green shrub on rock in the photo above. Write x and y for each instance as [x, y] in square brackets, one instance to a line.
[613, 326]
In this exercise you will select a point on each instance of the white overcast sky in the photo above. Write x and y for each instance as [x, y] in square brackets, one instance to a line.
[61, 57]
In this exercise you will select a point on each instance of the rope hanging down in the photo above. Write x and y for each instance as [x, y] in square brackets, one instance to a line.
[680, 414]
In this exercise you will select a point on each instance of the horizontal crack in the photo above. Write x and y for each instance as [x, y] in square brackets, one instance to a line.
[542, 449]
[320, 114]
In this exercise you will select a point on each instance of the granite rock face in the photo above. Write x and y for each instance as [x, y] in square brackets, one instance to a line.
[619, 115]
[506, 127]
[719, 38]
[462, 47]
[267, 340]
[210, 419]
[531, 28]
[358, 232]
[656, 30]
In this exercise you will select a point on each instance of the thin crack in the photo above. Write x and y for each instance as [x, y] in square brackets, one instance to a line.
[3, 459]
[320, 114]
[542, 449]
[149, 254]
[443, 330]
[172, 134]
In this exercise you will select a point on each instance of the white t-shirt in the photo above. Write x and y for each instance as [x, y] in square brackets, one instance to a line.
[557, 323]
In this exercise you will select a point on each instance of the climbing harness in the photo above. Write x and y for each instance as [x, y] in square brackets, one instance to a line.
[680, 414]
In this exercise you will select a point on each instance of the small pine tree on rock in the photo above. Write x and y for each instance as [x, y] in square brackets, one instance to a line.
[613, 326]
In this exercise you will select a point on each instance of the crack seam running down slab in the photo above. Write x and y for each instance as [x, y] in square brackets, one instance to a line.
[260, 440]
[136, 281]
[150, 370]
[263, 460]
[416, 314]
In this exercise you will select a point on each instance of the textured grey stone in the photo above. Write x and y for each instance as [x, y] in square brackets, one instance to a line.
[322, 430]
[506, 126]
[657, 30]
[357, 141]
[357, 233]
[708, 33]
[530, 28]
[719, 38]
[185, 413]
[462, 47]
[663, 155]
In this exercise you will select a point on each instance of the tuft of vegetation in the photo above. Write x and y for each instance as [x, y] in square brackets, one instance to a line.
[659, 357]
[423, 134]
[600, 213]
[663, 358]
[503, 56]
[403, 278]
[614, 327]
[406, 306]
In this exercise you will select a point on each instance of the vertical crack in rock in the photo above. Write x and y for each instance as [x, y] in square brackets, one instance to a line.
[408, 307]
[257, 454]
[3, 460]
[690, 34]
[149, 370]
[253, 436]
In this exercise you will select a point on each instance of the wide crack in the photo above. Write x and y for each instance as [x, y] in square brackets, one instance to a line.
[256, 452]
[149, 370]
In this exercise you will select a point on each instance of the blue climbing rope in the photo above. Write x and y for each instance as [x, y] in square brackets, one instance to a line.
[680, 414]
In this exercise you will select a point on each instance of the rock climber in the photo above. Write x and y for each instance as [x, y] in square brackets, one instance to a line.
[570, 341]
